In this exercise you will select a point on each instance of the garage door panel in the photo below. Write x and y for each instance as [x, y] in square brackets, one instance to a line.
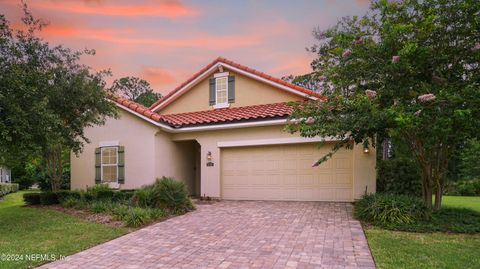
[284, 172]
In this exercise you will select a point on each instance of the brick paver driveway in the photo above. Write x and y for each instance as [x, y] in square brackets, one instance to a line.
[239, 234]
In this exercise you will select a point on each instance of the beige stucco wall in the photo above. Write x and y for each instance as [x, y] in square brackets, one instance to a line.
[248, 91]
[138, 138]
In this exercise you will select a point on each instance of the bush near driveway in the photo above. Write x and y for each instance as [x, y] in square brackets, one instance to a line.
[390, 209]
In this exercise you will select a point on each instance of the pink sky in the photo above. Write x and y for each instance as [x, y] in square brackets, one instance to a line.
[165, 41]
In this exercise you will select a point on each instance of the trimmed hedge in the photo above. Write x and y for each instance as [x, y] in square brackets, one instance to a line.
[6, 188]
[32, 198]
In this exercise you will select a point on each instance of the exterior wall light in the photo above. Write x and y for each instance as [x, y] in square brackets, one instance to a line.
[209, 156]
[366, 149]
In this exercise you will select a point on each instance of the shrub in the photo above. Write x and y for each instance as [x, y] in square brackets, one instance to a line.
[48, 198]
[389, 209]
[165, 193]
[172, 195]
[70, 202]
[6, 188]
[63, 195]
[100, 192]
[463, 188]
[399, 176]
[145, 197]
[101, 206]
[32, 198]
[120, 196]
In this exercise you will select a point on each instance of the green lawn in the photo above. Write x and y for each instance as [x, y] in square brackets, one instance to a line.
[427, 250]
[26, 231]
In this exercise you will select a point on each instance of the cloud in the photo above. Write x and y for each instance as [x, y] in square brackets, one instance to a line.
[166, 8]
[158, 77]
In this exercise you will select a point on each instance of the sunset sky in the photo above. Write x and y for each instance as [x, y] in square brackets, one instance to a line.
[165, 42]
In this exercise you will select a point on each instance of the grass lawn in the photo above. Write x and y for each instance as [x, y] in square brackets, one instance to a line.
[26, 231]
[427, 250]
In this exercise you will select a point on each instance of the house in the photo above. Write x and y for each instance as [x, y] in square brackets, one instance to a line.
[5, 175]
[222, 133]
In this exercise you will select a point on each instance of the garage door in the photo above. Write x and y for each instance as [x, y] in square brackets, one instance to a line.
[284, 172]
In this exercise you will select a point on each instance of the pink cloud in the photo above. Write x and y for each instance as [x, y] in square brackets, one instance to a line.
[158, 77]
[166, 8]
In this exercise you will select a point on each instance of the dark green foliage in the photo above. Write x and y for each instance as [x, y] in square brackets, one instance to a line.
[450, 220]
[122, 195]
[135, 89]
[99, 192]
[172, 195]
[32, 198]
[390, 209]
[145, 197]
[64, 195]
[137, 216]
[166, 193]
[470, 160]
[399, 176]
[463, 188]
[48, 198]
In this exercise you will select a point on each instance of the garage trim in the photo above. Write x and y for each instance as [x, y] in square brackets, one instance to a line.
[275, 141]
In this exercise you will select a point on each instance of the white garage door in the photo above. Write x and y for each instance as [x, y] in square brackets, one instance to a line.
[284, 172]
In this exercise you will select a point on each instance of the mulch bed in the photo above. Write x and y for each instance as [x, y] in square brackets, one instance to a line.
[101, 218]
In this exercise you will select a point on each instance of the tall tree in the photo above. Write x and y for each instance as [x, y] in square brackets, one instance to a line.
[47, 98]
[136, 89]
[408, 69]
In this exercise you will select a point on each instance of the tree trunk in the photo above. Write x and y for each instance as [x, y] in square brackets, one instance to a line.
[427, 186]
[438, 197]
[54, 166]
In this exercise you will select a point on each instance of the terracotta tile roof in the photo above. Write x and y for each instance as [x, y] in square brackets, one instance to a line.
[228, 115]
[239, 66]
[215, 116]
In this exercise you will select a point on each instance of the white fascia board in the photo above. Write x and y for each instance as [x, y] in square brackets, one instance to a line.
[109, 143]
[273, 141]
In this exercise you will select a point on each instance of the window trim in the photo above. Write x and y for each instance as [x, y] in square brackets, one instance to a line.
[225, 104]
[102, 164]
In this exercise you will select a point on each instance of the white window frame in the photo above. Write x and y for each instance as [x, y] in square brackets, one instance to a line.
[102, 165]
[217, 77]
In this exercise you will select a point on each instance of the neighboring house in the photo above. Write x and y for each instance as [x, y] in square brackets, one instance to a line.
[221, 132]
[5, 175]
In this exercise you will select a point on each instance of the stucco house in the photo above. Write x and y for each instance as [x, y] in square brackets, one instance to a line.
[5, 175]
[221, 132]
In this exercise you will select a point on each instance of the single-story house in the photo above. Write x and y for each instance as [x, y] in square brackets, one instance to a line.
[5, 175]
[222, 133]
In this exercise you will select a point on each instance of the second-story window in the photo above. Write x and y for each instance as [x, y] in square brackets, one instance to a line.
[221, 90]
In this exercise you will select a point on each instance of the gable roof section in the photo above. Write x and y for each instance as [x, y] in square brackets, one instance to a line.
[228, 115]
[208, 117]
[213, 66]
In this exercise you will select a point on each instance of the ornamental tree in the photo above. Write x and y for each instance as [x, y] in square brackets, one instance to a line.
[47, 98]
[407, 69]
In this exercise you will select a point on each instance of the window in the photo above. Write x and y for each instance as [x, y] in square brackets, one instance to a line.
[221, 90]
[109, 164]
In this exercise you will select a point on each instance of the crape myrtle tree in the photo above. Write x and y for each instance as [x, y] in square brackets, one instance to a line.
[135, 89]
[407, 69]
[47, 98]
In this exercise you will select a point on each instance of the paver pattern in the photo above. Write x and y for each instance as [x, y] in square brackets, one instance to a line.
[239, 234]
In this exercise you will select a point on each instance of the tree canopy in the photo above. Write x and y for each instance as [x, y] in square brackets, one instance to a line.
[407, 69]
[136, 89]
[47, 98]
